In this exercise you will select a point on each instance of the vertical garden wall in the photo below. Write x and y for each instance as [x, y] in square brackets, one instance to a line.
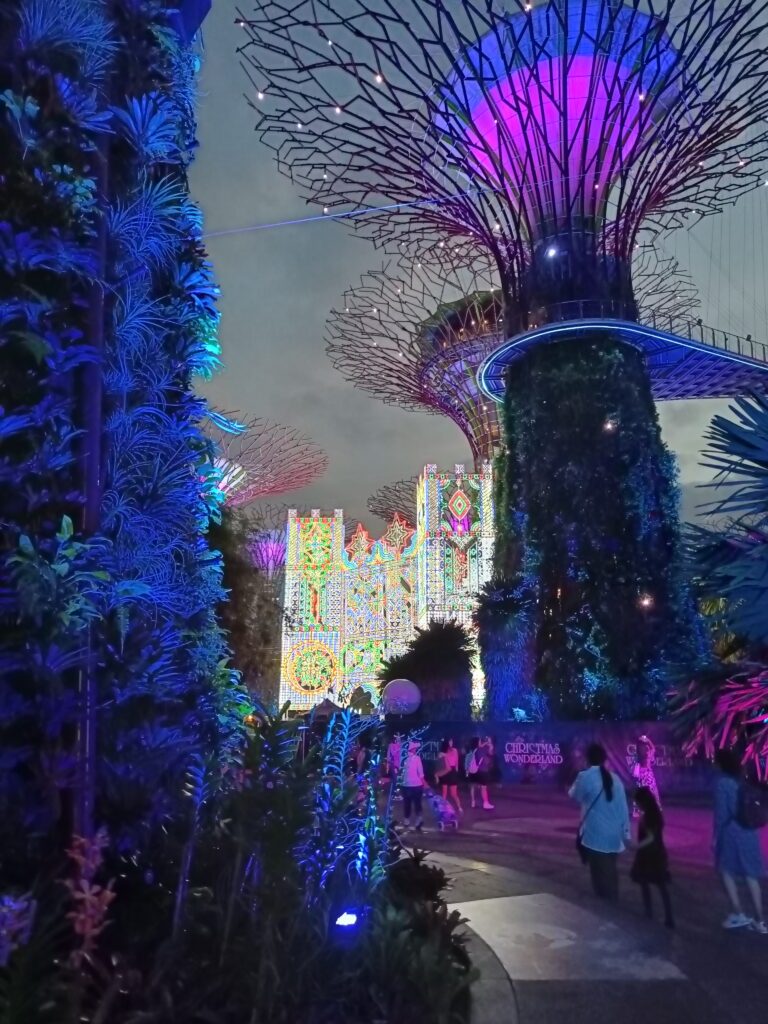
[114, 673]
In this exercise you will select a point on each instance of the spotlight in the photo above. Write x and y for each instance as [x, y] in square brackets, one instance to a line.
[551, 252]
[347, 919]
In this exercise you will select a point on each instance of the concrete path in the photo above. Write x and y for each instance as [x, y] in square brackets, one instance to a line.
[569, 958]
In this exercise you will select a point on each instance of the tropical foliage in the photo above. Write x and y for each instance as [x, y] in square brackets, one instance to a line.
[439, 660]
[167, 855]
[727, 705]
[251, 615]
[114, 675]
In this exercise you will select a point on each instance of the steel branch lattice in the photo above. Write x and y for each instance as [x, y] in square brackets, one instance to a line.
[396, 499]
[415, 336]
[264, 459]
[415, 333]
[547, 134]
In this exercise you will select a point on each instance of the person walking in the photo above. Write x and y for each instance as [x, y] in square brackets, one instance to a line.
[447, 774]
[413, 786]
[651, 865]
[604, 824]
[736, 848]
[642, 770]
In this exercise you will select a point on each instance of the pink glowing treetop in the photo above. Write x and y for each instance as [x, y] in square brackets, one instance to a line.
[269, 540]
[547, 133]
[258, 459]
[398, 499]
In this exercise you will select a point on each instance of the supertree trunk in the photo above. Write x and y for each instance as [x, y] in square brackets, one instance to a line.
[594, 508]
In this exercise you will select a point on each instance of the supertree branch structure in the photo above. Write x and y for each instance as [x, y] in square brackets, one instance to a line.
[415, 336]
[396, 499]
[415, 333]
[549, 133]
[257, 458]
[268, 542]
[545, 137]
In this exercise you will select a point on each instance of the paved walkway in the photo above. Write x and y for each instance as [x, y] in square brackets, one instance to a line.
[517, 878]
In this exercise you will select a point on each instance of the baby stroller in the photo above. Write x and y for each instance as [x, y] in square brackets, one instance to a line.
[444, 811]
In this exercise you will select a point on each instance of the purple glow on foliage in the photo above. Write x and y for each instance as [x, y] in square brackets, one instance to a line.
[268, 551]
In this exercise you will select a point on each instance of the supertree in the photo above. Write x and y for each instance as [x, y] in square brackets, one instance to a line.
[415, 334]
[257, 458]
[548, 136]
[268, 543]
[397, 498]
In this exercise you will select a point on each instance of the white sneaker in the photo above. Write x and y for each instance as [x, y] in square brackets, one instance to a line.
[736, 921]
[489, 807]
[759, 926]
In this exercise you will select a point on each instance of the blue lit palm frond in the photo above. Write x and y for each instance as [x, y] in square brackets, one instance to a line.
[738, 452]
[149, 125]
[82, 108]
[24, 251]
[145, 228]
[733, 560]
[77, 28]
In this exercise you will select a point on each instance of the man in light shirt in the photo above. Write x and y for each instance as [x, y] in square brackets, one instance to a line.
[604, 821]
[413, 785]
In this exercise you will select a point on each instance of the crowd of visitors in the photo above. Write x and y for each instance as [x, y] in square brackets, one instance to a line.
[605, 829]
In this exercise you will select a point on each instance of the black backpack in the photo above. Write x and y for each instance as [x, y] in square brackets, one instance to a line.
[752, 805]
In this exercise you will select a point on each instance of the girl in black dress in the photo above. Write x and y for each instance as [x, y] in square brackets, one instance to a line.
[651, 866]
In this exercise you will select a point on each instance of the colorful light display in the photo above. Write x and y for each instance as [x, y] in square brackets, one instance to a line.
[258, 459]
[351, 603]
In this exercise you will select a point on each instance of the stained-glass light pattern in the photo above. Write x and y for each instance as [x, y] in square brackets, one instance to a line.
[456, 557]
[263, 459]
[353, 600]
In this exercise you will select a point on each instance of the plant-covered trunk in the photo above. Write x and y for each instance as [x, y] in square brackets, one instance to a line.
[592, 523]
[114, 668]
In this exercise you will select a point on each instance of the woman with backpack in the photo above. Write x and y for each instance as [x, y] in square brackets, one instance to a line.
[477, 766]
[737, 846]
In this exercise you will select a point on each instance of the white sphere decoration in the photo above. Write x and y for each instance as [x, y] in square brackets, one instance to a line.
[400, 697]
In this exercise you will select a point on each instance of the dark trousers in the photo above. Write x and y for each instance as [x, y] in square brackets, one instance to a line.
[412, 802]
[645, 888]
[604, 869]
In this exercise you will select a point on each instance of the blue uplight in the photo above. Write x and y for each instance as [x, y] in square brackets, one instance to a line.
[347, 919]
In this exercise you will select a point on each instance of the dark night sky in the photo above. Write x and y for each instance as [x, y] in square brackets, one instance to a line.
[279, 284]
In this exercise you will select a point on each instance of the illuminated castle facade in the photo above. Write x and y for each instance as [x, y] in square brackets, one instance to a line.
[350, 603]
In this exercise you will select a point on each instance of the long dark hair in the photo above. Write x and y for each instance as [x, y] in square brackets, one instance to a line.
[596, 758]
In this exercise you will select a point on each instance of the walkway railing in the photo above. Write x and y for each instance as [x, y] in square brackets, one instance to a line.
[694, 330]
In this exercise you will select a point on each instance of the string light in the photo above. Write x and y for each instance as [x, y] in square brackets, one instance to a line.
[379, 79]
[260, 95]
[645, 601]
[609, 426]
[338, 110]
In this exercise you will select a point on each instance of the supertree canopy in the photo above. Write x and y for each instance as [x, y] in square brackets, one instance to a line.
[563, 127]
[416, 336]
[269, 542]
[258, 459]
[396, 499]
[548, 137]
